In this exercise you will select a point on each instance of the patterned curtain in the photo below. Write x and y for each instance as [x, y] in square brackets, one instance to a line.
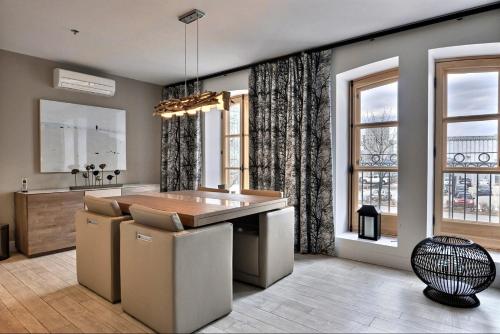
[290, 142]
[180, 147]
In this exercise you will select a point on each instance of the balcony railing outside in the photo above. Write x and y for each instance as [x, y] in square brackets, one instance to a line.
[378, 160]
[472, 151]
[379, 189]
[473, 197]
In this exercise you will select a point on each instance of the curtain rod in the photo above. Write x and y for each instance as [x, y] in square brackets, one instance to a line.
[458, 15]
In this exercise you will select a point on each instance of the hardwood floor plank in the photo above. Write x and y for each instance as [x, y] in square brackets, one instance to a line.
[57, 269]
[323, 294]
[272, 319]
[24, 317]
[84, 294]
[67, 329]
[40, 286]
[46, 315]
[260, 326]
[398, 327]
[210, 329]
[109, 317]
[8, 323]
[79, 316]
[137, 323]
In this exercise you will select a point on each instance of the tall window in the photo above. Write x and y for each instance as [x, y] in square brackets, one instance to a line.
[374, 147]
[467, 196]
[235, 144]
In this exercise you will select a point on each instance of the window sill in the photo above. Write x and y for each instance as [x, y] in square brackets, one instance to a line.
[383, 241]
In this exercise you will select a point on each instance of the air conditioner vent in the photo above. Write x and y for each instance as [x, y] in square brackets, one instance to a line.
[85, 83]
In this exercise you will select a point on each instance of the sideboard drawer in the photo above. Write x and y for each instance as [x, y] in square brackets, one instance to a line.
[45, 219]
[49, 220]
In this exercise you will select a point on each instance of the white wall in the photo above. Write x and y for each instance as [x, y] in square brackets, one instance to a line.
[412, 49]
[212, 125]
[212, 149]
[233, 81]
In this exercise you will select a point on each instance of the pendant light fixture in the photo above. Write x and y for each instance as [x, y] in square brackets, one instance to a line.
[191, 104]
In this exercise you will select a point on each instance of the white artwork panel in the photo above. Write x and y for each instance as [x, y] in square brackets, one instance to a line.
[74, 135]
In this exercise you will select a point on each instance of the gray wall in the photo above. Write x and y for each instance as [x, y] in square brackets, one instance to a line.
[24, 80]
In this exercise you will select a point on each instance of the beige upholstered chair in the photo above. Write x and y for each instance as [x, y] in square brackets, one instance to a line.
[264, 247]
[98, 247]
[175, 280]
[267, 193]
[215, 190]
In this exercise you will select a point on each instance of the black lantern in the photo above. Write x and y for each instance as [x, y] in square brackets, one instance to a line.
[369, 220]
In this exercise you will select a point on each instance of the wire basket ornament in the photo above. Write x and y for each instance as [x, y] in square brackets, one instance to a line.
[454, 269]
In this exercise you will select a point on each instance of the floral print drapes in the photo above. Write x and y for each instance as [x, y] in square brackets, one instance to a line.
[291, 145]
[181, 164]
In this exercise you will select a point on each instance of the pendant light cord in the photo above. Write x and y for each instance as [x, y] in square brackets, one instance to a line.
[185, 61]
[197, 44]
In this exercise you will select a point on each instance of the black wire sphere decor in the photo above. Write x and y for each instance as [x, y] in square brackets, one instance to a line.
[454, 269]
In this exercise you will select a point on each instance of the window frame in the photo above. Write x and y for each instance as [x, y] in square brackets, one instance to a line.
[389, 220]
[485, 233]
[243, 135]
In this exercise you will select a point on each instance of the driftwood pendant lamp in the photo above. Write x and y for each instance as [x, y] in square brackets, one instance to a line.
[192, 104]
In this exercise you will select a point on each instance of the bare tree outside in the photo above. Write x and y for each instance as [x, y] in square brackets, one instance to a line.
[378, 148]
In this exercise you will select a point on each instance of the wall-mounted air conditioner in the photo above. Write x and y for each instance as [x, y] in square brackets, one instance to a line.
[83, 82]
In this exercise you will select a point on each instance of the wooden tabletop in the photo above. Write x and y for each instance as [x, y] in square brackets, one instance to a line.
[198, 208]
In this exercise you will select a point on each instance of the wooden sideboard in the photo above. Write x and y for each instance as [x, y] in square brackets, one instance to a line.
[45, 218]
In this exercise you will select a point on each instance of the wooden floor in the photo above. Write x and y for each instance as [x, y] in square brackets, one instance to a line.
[322, 295]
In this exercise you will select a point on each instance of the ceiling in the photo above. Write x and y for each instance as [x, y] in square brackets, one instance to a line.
[143, 39]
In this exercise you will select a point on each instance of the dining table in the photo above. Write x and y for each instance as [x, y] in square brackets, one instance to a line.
[200, 208]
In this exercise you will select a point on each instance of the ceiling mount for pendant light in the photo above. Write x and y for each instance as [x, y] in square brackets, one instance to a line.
[191, 16]
[198, 101]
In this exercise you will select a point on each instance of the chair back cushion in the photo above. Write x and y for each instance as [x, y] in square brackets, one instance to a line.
[214, 190]
[168, 221]
[103, 206]
[267, 193]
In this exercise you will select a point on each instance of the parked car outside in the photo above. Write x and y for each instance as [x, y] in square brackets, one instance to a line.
[461, 200]
[384, 195]
[460, 189]
[465, 181]
[484, 182]
[370, 179]
[447, 182]
[483, 190]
